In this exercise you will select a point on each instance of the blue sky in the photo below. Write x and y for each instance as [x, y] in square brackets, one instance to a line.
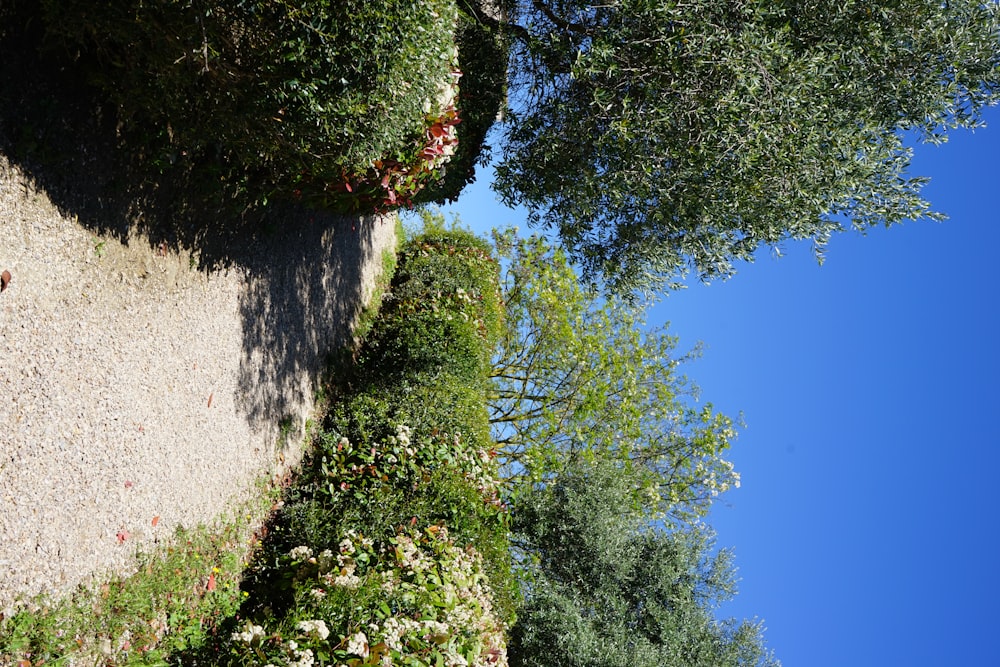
[866, 529]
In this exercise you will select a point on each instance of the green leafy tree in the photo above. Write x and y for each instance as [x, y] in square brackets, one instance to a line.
[660, 137]
[578, 377]
[606, 588]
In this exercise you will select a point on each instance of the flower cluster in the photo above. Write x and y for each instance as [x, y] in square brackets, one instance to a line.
[315, 628]
[251, 634]
[401, 459]
[299, 657]
[330, 570]
[439, 606]
[718, 479]
[391, 182]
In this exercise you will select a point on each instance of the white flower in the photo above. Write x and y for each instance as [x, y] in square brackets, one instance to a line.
[317, 628]
[348, 581]
[251, 634]
[303, 658]
[300, 553]
[435, 628]
[358, 645]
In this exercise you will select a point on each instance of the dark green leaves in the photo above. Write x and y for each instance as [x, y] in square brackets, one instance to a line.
[607, 588]
[687, 135]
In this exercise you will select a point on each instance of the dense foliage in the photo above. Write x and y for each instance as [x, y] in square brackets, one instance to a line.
[295, 97]
[392, 544]
[581, 378]
[662, 137]
[482, 58]
[608, 589]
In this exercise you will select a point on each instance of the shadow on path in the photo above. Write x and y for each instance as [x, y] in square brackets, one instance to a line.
[304, 271]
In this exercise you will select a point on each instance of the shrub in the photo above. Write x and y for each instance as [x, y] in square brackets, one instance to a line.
[301, 93]
[417, 599]
[393, 543]
[482, 58]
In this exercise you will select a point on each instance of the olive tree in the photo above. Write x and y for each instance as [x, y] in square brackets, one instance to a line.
[605, 587]
[663, 137]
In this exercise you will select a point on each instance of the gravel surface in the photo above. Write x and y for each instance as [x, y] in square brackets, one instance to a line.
[134, 384]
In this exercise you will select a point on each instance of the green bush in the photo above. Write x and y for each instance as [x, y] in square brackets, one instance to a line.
[395, 536]
[443, 314]
[299, 92]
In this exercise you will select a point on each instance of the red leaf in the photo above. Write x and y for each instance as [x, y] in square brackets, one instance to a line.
[210, 399]
[122, 535]
[128, 484]
[210, 586]
[156, 520]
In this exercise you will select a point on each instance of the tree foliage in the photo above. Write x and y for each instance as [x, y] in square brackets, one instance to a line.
[660, 137]
[579, 377]
[608, 589]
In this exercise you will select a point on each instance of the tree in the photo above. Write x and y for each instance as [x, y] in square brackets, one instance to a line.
[606, 587]
[660, 137]
[578, 377]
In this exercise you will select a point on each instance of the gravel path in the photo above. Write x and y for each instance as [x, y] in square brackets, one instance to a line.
[135, 386]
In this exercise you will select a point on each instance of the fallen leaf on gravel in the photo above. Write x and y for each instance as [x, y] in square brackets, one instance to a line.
[156, 520]
[210, 399]
[128, 484]
[4, 280]
[122, 535]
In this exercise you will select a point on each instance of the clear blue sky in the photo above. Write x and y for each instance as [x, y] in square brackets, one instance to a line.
[866, 530]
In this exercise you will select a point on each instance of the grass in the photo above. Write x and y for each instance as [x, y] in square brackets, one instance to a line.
[177, 596]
